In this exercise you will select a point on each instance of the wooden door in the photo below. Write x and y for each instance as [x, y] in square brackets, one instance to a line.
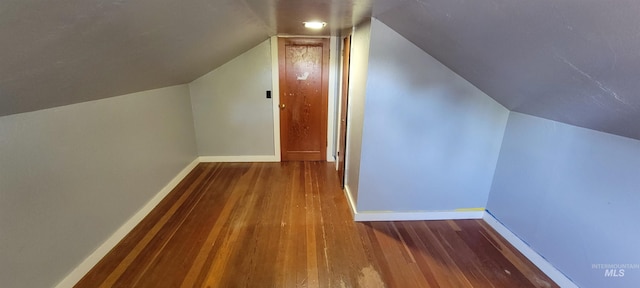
[304, 82]
[344, 103]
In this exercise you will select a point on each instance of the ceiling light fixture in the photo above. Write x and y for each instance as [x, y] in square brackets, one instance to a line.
[314, 24]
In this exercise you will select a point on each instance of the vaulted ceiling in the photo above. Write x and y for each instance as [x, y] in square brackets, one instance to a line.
[56, 53]
[574, 61]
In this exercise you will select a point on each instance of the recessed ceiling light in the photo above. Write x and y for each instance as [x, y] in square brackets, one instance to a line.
[315, 24]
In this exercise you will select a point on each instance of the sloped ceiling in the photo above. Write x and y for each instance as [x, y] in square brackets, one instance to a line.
[55, 53]
[573, 61]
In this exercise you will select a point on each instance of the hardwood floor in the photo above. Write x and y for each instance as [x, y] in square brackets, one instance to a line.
[288, 225]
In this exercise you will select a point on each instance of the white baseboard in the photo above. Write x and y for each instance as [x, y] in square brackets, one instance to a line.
[416, 216]
[117, 236]
[351, 201]
[365, 216]
[528, 252]
[248, 158]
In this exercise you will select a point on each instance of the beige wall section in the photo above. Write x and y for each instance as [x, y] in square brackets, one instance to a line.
[357, 91]
[70, 176]
[231, 113]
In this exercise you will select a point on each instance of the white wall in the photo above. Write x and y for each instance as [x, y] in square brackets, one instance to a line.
[231, 113]
[573, 195]
[357, 92]
[234, 121]
[431, 139]
[70, 176]
[332, 101]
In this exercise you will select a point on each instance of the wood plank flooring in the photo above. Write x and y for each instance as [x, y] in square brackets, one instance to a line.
[288, 225]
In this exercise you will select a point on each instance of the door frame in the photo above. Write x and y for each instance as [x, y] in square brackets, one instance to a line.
[275, 96]
[342, 114]
[331, 101]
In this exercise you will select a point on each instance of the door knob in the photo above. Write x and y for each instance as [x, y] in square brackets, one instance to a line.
[282, 106]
